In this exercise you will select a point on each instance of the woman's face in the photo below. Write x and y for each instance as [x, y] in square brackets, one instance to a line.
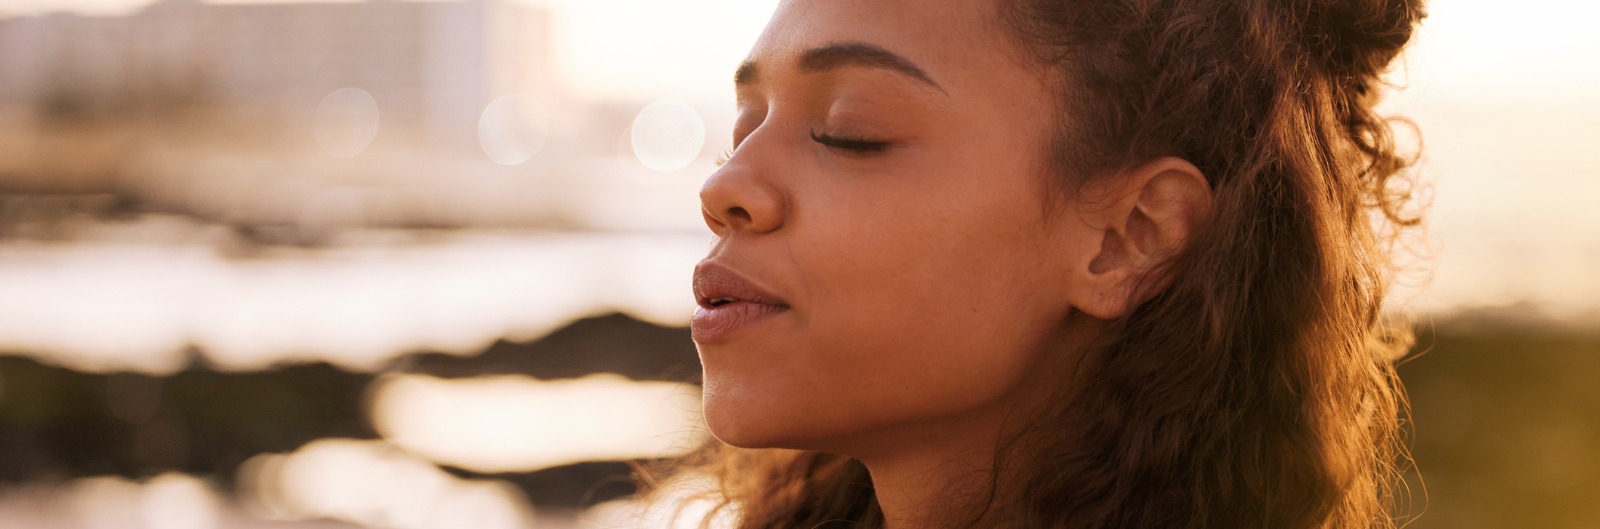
[881, 228]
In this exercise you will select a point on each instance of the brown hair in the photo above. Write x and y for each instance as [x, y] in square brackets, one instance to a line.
[1258, 389]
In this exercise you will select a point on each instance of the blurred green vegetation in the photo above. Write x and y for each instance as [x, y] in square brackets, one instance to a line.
[1506, 425]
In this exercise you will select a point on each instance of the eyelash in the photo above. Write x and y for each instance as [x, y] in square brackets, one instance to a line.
[850, 144]
[854, 145]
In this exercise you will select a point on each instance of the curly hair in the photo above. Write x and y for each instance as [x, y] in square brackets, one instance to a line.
[1257, 390]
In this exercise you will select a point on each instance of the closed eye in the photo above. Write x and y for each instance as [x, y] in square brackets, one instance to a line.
[857, 145]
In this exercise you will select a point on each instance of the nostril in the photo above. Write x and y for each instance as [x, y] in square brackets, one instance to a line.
[737, 212]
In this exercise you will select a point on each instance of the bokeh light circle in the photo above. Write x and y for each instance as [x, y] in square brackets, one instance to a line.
[346, 122]
[667, 135]
[512, 129]
[177, 501]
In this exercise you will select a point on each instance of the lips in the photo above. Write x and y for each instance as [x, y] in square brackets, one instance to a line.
[728, 303]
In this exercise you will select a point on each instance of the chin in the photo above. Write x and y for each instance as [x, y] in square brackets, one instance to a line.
[733, 423]
[744, 423]
[741, 439]
[742, 435]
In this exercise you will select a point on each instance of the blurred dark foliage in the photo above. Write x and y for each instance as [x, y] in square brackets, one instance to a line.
[614, 343]
[58, 424]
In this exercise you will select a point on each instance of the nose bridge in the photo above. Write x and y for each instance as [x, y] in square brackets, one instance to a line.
[742, 195]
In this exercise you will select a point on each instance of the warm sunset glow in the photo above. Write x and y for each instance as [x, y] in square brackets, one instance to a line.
[692, 50]
[374, 484]
[446, 174]
[520, 424]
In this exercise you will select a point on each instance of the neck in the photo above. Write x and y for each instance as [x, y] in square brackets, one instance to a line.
[947, 474]
[943, 477]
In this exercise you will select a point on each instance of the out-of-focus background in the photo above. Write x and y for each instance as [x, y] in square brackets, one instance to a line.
[424, 264]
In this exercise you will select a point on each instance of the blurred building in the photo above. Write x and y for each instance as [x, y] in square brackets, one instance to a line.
[293, 121]
[431, 67]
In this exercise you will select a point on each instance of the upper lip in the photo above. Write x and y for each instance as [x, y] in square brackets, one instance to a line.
[713, 281]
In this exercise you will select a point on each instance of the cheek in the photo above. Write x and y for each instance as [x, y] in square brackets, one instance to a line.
[913, 313]
[950, 310]
[958, 255]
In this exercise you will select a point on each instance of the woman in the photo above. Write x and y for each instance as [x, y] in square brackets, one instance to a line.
[1056, 263]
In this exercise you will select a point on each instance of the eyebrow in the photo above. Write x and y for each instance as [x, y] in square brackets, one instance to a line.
[840, 55]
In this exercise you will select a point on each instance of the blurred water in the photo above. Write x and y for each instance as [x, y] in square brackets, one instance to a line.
[122, 305]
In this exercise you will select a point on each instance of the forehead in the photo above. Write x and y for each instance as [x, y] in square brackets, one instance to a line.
[960, 44]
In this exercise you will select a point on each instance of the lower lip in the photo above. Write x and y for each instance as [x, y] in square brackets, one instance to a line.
[714, 324]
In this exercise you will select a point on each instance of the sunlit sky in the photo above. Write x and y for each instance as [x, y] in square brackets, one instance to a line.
[1470, 50]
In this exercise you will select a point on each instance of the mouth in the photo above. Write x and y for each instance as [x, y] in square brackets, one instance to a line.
[718, 302]
[728, 303]
[716, 286]
[712, 303]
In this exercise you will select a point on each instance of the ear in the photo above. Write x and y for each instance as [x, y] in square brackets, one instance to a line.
[1144, 216]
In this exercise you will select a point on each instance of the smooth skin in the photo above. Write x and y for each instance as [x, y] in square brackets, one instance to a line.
[890, 183]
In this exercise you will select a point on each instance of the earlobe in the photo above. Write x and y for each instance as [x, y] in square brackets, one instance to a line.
[1158, 207]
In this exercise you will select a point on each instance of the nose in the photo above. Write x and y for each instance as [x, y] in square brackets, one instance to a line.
[737, 197]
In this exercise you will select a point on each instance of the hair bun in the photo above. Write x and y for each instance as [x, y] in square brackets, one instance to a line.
[1359, 37]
